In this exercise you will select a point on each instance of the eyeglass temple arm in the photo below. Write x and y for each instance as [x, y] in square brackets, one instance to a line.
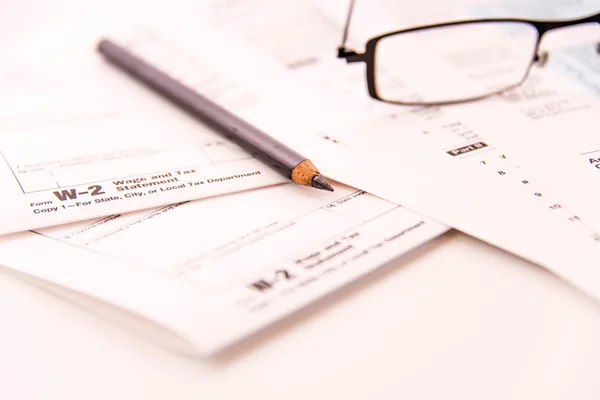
[546, 26]
[596, 18]
[343, 52]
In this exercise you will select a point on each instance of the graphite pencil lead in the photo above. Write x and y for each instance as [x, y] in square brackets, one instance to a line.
[320, 182]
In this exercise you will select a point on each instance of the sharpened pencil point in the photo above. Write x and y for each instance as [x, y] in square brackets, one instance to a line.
[320, 182]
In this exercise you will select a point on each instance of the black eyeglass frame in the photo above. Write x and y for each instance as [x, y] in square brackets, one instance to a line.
[368, 57]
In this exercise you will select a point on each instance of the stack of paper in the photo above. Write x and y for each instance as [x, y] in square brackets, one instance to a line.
[114, 194]
[107, 191]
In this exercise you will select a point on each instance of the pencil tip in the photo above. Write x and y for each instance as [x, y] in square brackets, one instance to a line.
[320, 182]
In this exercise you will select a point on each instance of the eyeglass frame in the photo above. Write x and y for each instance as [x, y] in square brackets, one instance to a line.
[368, 57]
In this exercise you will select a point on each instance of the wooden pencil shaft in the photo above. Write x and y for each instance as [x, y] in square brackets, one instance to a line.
[261, 145]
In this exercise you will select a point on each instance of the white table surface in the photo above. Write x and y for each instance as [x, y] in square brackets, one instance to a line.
[457, 319]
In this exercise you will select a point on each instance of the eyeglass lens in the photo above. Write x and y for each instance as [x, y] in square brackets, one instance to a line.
[454, 62]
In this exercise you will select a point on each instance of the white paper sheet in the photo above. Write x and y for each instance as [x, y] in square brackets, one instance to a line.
[556, 138]
[216, 270]
[101, 143]
[73, 171]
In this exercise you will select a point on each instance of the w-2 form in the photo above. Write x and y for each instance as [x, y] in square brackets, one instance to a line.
[111, 145]
[215, 270]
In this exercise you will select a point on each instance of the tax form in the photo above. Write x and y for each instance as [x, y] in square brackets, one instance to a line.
[102, 144]
[435, 160]
[557, 139]
[215, 270]
[112, 171]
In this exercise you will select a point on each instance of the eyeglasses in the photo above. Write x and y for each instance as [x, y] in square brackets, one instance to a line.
[452, 62]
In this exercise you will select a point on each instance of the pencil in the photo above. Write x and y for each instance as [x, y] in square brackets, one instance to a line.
[283, 159]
